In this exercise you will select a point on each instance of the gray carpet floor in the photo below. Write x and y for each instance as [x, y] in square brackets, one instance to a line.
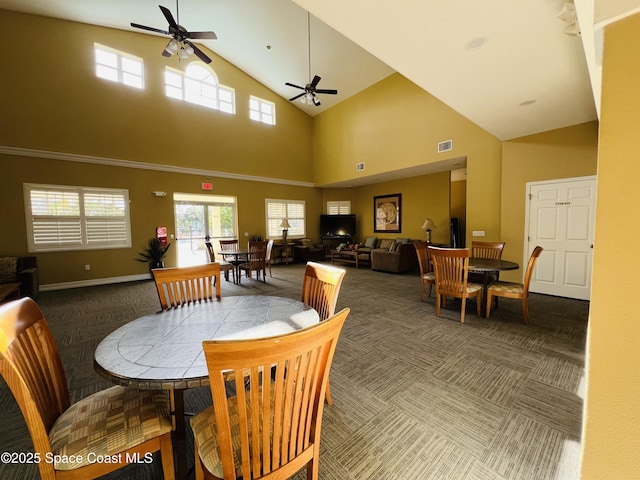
[415, 396]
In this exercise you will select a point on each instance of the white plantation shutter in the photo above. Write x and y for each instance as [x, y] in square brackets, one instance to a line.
[339, 207]
[76, 218]
[292, 210]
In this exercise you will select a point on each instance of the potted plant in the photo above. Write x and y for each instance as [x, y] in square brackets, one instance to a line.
[154, 253]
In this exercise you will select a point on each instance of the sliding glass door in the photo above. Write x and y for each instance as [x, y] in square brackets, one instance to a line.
[201, 217]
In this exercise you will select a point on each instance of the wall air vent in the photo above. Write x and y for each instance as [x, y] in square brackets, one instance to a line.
[445, 146]
[360, 167]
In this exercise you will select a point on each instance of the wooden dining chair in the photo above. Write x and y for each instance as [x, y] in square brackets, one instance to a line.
[427, 276]
[225, 266]
[451, 266]
[515, 290]
[270, 427]
[320, 289]
[256, 259]
[268, 257]
[113, 423]
[231, 244]
[184, 285]
[492, 250]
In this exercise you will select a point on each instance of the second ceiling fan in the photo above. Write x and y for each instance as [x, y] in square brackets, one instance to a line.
[310, 89]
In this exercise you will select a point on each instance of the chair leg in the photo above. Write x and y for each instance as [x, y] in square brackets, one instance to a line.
[479, 304]
[166, 456]
[438, 304]
[328, 395]
[489, 300]
[197, 464]
[525, 309]
[421, 291]
[462, 309]
[430, 286]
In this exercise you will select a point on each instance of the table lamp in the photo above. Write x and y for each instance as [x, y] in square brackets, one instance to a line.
[428, 225]
[284, 225]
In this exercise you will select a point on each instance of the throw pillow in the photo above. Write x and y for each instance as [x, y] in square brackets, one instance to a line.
[8, 267]
[370, 242]
[386, 243]
[402, 240]
[306, 242]
[395, 247]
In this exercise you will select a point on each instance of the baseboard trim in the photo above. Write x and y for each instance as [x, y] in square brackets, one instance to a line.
[94, 282]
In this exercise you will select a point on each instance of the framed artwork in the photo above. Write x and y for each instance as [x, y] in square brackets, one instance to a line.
[387, 213]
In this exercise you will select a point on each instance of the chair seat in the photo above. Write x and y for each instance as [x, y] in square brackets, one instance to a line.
[429, 276]
[102, 424]
[473, 287]
[205, 437]
[507, 287]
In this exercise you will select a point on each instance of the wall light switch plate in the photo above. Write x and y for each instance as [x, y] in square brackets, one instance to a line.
[478, 233]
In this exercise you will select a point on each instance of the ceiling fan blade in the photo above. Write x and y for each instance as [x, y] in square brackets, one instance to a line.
[295, 86]
[330, 92]
[151, 29]
[315, 81]
[202, 35]
[296, 97]
[198, 52]
[168, 16]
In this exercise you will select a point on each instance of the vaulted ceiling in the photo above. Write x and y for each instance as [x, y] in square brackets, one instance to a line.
[507, 66]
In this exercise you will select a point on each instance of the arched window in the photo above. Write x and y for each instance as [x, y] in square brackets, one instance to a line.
[199, 84]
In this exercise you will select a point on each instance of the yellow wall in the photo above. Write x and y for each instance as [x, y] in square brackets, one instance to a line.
[393, 125]
[423, 196]
[611, 428]
[563, 153]
[146, 211]
[58, 104]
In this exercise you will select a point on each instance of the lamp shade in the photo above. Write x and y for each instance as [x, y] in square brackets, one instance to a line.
[428, 225]
[285, 223]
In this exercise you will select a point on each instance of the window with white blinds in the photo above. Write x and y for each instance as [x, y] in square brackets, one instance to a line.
[342, 207]
[76, 218]
[292, 210]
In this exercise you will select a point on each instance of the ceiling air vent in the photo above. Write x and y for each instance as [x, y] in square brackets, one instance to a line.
[445, 146]
[360, 167]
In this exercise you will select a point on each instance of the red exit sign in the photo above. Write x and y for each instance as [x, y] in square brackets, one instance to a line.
[207, 186]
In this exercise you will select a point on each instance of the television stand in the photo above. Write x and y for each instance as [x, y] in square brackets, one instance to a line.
[335, 240]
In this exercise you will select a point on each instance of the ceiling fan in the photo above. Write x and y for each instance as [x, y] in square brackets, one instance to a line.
[181, 37]
[310, 89]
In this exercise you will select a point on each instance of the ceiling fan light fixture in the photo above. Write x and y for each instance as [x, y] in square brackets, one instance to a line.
[172, 47]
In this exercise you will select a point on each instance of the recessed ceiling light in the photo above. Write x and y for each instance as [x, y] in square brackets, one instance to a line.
[476, 43]
[527, 102]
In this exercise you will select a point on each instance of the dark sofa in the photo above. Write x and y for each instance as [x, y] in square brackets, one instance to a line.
[23, 270]
[392, 256]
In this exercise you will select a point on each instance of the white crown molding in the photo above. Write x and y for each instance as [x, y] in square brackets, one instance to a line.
[74, 157]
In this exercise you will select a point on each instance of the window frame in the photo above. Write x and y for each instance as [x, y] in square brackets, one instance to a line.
[191, 88]
[298, 223]
[122, 72]
[260, 113]
[339, 207]
[85, 223]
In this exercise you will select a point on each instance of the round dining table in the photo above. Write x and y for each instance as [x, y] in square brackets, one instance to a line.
[487, 266]
[163, 351]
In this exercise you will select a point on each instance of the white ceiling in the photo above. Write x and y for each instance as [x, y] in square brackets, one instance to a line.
[525, 56]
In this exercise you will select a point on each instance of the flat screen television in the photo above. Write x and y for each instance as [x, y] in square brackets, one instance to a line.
[334, 225]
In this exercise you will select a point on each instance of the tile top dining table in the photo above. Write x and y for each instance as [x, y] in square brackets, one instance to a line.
[164, 350]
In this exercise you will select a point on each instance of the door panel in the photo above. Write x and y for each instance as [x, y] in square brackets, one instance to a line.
[561, 220]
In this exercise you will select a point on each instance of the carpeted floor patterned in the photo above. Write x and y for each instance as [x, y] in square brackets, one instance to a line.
[415, 396]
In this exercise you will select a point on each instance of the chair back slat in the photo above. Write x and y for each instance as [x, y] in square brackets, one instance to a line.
[492, 250]
[280, 385]
[321, 286]
[186, 285]
[451, 267]
[31, 366]
[422, 252]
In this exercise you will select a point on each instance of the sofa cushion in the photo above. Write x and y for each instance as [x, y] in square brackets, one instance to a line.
[370, 242]
[403, 240]
[386, 243]
[8, 269]
[395, 246]
[306, 242]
